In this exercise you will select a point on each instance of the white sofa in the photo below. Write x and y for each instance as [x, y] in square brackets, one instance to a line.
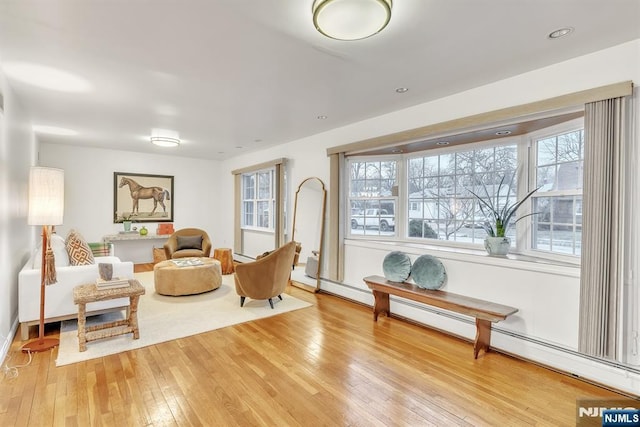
[59, 296]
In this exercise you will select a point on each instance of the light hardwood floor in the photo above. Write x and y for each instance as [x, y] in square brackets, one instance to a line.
[329, 364]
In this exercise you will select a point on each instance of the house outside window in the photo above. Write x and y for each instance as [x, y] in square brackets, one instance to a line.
[559, 169]
[258, 200]
[373, 197]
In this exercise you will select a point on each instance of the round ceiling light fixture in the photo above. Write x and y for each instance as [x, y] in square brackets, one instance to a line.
[351, 19]
[165, 138]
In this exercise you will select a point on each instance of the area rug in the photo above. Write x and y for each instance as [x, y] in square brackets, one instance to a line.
[164, 318]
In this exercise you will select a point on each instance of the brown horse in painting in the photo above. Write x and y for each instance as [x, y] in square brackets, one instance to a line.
[158, 194]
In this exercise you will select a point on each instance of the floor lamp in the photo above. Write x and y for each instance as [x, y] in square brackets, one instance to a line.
[46, 207]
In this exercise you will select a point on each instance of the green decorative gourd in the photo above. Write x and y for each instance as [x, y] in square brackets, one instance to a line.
[143, 231]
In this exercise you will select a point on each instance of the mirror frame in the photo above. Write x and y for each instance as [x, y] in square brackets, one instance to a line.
[321, 231]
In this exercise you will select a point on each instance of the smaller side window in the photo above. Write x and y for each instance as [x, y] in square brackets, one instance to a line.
[559, 169]
[372, 197]
[258, 200]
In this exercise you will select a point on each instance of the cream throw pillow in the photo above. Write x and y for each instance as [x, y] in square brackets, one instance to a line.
[59, 247]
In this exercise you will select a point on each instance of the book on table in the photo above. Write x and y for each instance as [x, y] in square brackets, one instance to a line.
[116, 282]
[187, 262]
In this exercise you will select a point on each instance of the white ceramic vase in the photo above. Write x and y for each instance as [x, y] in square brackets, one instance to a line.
[497, 246]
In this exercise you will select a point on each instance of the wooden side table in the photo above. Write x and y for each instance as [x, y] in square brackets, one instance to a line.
[84, 294]
[225, 256]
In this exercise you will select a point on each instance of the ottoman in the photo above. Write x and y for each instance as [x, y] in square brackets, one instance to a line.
[171, 279]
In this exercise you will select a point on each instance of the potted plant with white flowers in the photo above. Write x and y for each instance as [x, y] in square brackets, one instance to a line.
[500, 210]
[125, 219]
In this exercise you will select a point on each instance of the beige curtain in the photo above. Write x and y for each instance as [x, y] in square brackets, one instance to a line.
[603, 225]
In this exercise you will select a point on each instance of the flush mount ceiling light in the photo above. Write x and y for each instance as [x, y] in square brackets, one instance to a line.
[351, 19]
[165, 138]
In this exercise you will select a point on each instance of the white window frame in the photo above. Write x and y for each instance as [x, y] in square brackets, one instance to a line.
[516, 141]
[256, 200]
[527, 249]
[526, 182]
[395, 198]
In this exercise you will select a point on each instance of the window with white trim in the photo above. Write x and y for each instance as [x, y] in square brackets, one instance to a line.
[558, 165]
[372, 197]
[426, 196]
[258, 199]
[441, 205]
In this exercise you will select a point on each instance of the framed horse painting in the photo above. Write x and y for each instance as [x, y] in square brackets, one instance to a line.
[142, 198]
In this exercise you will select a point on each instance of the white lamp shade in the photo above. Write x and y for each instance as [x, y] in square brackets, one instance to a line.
[351, 19]
[46, 196]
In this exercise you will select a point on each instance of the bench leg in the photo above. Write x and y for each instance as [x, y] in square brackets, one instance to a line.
[133, 316]
[483, 337]
[82, 329]
[381, 304]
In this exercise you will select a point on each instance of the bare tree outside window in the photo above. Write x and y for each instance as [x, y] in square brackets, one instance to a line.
[439, 186]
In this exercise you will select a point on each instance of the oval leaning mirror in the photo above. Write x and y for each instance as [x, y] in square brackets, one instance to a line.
[308, 231]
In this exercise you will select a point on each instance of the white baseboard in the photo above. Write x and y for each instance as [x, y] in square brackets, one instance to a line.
[608, 374]
[6, 343]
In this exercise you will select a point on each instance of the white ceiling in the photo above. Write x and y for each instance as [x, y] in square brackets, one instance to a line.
[237, 75]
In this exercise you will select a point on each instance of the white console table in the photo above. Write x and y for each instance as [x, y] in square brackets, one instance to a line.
[134, 247]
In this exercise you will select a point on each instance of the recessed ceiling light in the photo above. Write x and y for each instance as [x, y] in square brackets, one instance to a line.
[257, 140]
[46, 77]
[396, 150]
[503, 132]
[560, 33]
[239, 146]
[442, 143]
[322, 117]
[54, 130]
[402, 89]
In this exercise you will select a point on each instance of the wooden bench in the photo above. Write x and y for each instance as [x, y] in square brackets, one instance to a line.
[485, 312]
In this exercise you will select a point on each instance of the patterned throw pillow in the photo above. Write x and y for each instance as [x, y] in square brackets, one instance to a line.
[78, 249]
[101, 249]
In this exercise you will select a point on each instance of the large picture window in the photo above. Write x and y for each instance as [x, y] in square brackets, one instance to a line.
[258, 199]
[440, 203]
[427, 196]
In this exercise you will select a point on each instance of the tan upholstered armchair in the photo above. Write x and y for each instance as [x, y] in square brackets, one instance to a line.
[188, 242]
[266, 277]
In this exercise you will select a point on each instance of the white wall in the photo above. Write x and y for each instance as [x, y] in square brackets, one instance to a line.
[89, 188]
[17, 239]
[547, 299]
